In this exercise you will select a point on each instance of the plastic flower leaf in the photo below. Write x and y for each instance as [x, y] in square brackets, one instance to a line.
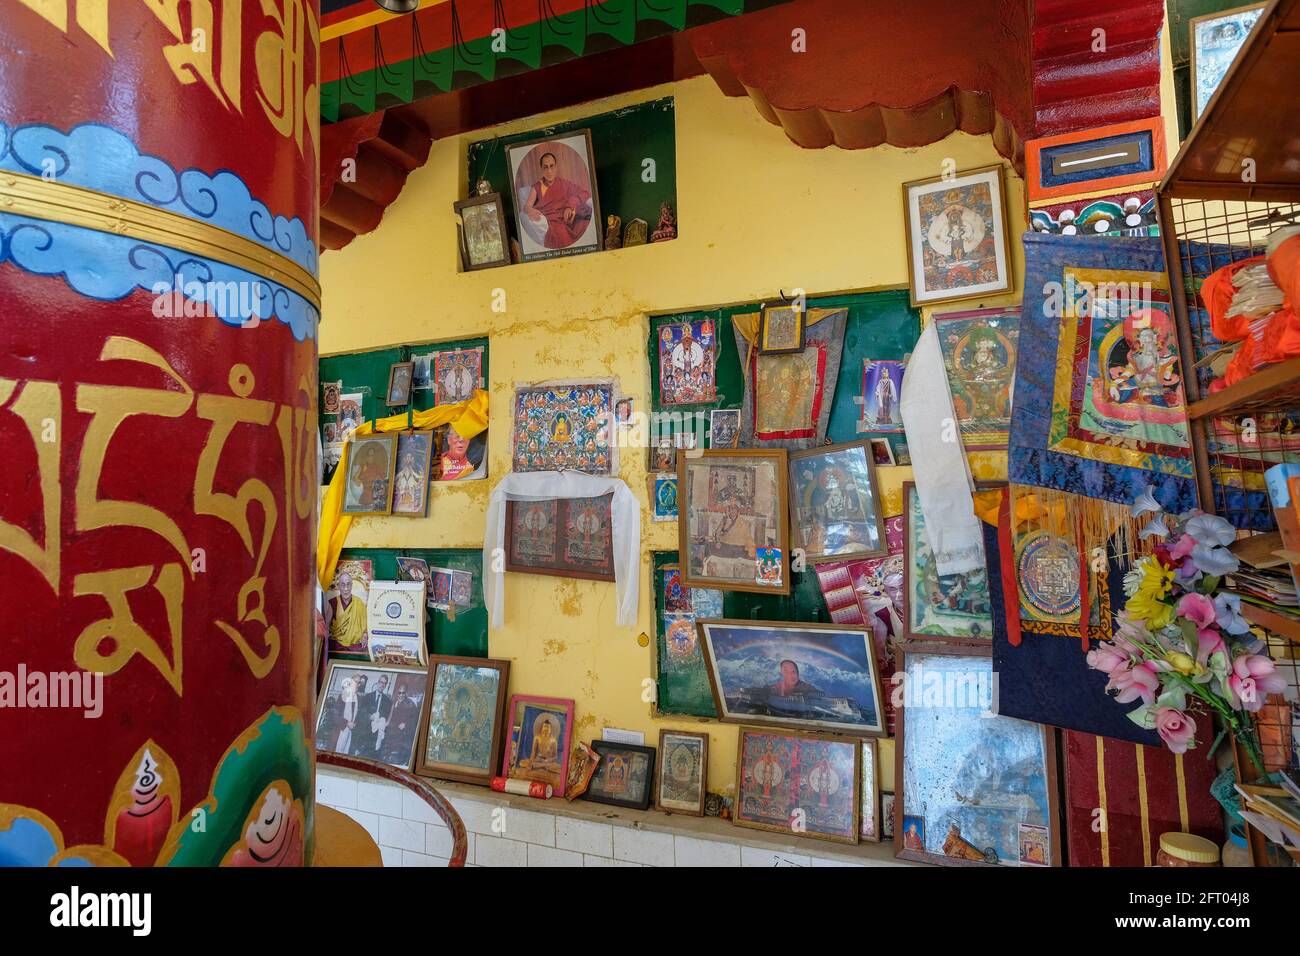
[1146, 502]
[1211, 529]
[1156, 527]
[1143, 716]
[1227, 609]
[1174, 696]
[1219, 561]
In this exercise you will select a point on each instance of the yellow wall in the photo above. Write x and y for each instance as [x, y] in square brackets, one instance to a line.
[759, 214]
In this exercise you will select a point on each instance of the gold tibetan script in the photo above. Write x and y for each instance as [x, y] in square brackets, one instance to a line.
[212, 52]
[113, 640]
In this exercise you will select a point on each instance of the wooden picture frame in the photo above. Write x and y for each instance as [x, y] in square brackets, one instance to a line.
[740, 815]
[613, 760]
[356, 499]
[516, 154]
[828, 659]
[502, 256]
[556, 511]
[493, 711]
[661, 455]
[867, 467]
[869, 777]
[778, 341]
[331, 714]
[398, 395]
[514, 760]
[980, 639]
[902, 765]
[728, 500]
[994, 225]
[668, 739]
[424, 462]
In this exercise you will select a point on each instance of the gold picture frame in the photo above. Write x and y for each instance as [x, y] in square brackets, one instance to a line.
[357, 498]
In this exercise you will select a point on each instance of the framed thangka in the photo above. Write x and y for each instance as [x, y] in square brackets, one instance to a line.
[979, 355]
[835, 503]
[683, 683]
[688, 354]
[537, 740]
[624, 777]
[808, 676]
[563, 426]
[732, 519]
[787, 779]
[788, 397]
[466, 702]
[957, 236]
[974, 788]
[680, 778]
[954, 606]
[882, 388]
[781, 330]
[565, 537]
[455, 374]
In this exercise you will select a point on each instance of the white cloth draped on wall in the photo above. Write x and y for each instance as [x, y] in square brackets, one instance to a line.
[939, 466]
[543, 485]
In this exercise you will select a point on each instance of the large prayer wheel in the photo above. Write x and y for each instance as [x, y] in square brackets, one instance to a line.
[158, 314]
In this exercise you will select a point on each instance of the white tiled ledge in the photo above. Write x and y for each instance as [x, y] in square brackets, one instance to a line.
[558, 832]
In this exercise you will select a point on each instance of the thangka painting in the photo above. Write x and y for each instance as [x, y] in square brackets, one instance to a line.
[954, 606]
[812, 779]
[970, 781]
[1099, 406]
[979, 355]
[567, 537]
[563, 427]
[455, 374]
[466, 704]
[682, 678]
[956, 235]
[687, 363]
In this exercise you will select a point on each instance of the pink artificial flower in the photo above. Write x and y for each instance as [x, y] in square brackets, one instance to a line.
[1209, 641]
[1254, 677]
[1198, 609]
[1107, 658]
[1134, 681]
[1183, 548]
[1176, 729]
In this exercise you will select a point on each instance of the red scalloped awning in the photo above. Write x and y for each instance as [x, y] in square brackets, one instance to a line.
[880, 71]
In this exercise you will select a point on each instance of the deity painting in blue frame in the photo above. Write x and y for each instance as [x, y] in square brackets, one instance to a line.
[558, 427]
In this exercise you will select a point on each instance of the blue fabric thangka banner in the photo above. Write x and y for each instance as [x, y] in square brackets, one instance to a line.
[1099, 407]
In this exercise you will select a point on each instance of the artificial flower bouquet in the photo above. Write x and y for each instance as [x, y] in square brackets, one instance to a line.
[1180, 639]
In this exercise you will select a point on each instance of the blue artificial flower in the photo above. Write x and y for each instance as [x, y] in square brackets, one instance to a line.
[1211, 530]
[1156, 527]
[1146, 502]
[1216, 561]
[1228, 614]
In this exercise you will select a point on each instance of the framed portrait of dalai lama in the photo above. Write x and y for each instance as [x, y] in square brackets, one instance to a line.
[553, 183]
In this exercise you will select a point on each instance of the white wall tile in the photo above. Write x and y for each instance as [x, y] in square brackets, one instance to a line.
[476, 816]
[381, 797]
[404, 834]
[691, 851]
[495, 851]
[335, 791]
[370, 821]
[589, 860]
[437, 841]
[391, 855]
[420, 859]
[414, 808]
[643, 846]
[549, 856]
[584, 836]
[757, 856]
[527, 825]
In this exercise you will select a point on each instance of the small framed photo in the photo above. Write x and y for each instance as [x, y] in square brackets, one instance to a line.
[411, 483]
[724, 427]
[957, 244]
[663, 456]
[371, 711]
[869, 827]
[800, 784]
[463, 715]
[440, 588]
[401, 375]
[330, 432]
[538, 737]
[368, 489]
[330, 392]
[624, 777]
[557, 208]
[835, 503]
[780, 330]
[623, 409]
[663, 497]
[886, 815]
[882, 387]
[882, 452]
[483, 233]
[681, 779]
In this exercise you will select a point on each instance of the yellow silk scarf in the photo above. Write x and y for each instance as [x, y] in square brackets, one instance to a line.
[469, 418]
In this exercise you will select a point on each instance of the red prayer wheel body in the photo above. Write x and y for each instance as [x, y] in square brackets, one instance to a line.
[158, 314]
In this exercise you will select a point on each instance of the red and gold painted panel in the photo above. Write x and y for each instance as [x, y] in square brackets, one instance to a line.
[158, 314]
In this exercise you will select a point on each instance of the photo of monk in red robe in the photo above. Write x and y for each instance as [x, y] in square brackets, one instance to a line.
[566, 206]
[555, 196]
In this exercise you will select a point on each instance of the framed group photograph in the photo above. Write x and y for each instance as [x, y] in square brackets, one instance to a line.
[681, 779]
[972, 787]
[538, 736]
[801, 784]
[368, 484]
[835, 503]
[372, 711]
[401, 378]
[956, 607]
[624, 776]
[484, 239]
[780, 330]
[806, 676]
[733, 519]
[557, 207]
[957, 244]
[463, 716]
[411, 483]
[564, 537]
